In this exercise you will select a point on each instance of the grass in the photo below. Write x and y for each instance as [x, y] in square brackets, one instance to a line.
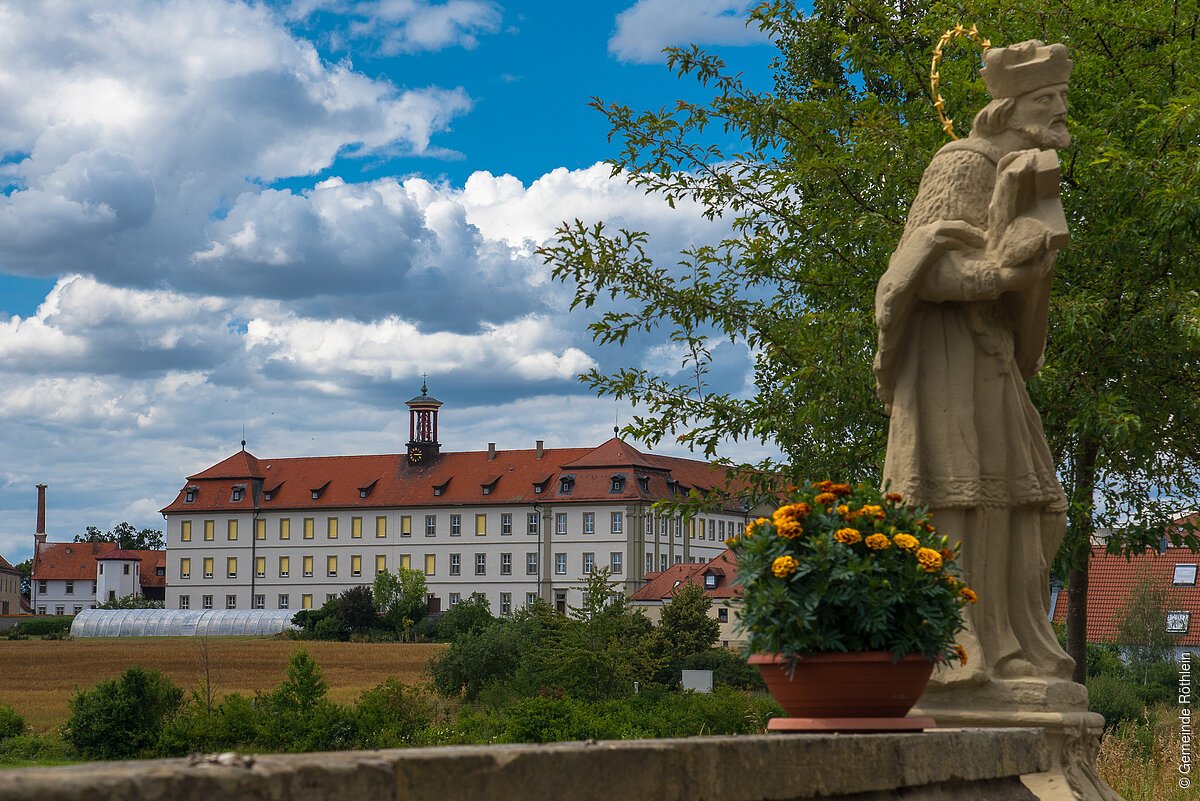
[1140, 759]
[40, 676]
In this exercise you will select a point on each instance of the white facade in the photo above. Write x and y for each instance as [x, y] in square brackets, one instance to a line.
[117, 578]
[62, 596]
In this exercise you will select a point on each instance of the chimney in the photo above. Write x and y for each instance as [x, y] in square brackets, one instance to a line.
[39, 534]
[540, 448]
[491, 451]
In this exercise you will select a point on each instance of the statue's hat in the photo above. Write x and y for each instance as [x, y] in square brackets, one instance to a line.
[1014, 70]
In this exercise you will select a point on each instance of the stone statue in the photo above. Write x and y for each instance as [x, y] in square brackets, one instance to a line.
[961, 312]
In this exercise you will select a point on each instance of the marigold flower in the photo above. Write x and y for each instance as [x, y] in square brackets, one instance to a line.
[906, 541]
[969, 594]
[928, 527]
[844, 511]
[870, 510]
[894, 497]
[878, 542]
[790, 529]
[962, 653]
[822, 486]
[784, 566]
[732, 541]
[930, 560]
[848, 536]
[947, 555]
[826, 498]
[840, 490]
[792, 511]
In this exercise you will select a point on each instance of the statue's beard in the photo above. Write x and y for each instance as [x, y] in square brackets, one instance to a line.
[1045, 136]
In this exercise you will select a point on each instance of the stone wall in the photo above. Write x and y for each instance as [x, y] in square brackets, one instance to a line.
[976, 764]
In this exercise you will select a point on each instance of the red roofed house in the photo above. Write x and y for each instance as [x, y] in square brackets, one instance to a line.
[1112, 578]
[69, 577]
[10, 589]
[716, 577]
[514, 525]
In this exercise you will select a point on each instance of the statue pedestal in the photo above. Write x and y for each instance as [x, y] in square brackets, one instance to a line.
[1072, 736]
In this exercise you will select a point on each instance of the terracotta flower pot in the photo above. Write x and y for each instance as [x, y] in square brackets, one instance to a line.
[853, 685]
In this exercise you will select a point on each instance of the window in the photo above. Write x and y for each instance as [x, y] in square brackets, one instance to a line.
[308, 567]
[331, 526]
[722, 615]
[329, 596]
[76, 610]
[331, 565]
[712, 529]
[41, 589]
[231, 567]
[617, 484]
[356, 565]
[537, 488]
[381, 563]
[405, 525]
[309, 528]
[456, 564]
[260, 602]
[560, 523]
[481, 564]
[405, 561]
[560, 564]
[231, 530]
[71, 587]
[237, 494]
[206, 601]
[356, 528]
[1184, 574]
[430, 564]
[505, 603]
[381, 526]
[589, 522]
[60, 610]
[284, 601]
[480, 525]
[1177, 622]
[260, 529]
[455, 599]
[643, 483]
[260, 567]
[284, 566]
[533, 523]
[531, 563]
[185, 531]
[185, 602]
[589, 563]
[306, 601]
[649, 563]
[566, 484]
[721, 529]
[710, 581]
[506, 564]
[662, 562]
[185, 568]
[430, 525]
[269, 494]
[126, 569]
[618, 522]
[530, 598]
[189, 495]
[210, 528]
[678, 559]
[455, 525]
[285, 528]
[615, 562]
[41, 610]
[505, 523]
[208, 567]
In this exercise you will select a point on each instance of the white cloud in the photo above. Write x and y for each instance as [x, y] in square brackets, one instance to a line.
[650, 25]
[409, 26]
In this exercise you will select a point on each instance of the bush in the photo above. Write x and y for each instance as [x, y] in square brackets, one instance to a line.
[391, 715]
[1114, 698]
[41, 626]
[11, 723]
[296, 715]
[472, 615]
[729, 669]
[35, 749]
[230, 725]
[122, 718]
[356, 610]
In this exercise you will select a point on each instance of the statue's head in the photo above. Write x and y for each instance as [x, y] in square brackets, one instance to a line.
[1028, 84]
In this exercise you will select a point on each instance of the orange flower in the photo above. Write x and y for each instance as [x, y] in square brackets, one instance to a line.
[784, 566]
[894, 497]
[826, 498]
[878, 542]
[930, 560]
[870, 510]
[844, 511]
[822, 486]
[840, 490]
[947, 555]
[962, 653]
[848, 536]
[732, 541]
[790, 529]
[906, 541]
[792, 511]
[969, 594]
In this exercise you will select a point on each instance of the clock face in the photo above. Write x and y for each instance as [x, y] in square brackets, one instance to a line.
[414, 455]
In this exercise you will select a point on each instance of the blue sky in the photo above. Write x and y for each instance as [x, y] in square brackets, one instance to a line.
[280, 215]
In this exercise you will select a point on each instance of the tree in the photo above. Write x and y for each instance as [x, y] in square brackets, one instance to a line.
[685, 628]
[400, 598]
[816, 192]
[472, 615]
[26, 570]
[126, 536]
[356, 609]
[122, 718]
[134, 601]
[1141, 628]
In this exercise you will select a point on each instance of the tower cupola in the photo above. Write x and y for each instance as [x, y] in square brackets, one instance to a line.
[423, 426]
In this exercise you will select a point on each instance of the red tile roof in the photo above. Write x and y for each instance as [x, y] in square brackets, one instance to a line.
[6, 565]
[661, 586]
[1111, 579]
[120, 554]
[390, 481]
[76, 561]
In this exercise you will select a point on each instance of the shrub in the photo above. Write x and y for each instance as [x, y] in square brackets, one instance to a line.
[41, 626]
[296, 716]
[122, 718]
[11, 723]
[38, 749]
[356, 610]
[473, 614]
[231, 724]
[729, 669]
[390, 715]
[1114, 698]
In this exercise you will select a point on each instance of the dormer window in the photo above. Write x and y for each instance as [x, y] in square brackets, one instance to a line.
[1185, 575]
[440, 489]
[710, 581]
[487, 489]
[317, 492]
[189, 494]
[268, 495]
[643, 483]
[566, 484]
[365, 491]
[537, 488]
[491, 485]
[617, 483]
[673, 486]
[238, 491]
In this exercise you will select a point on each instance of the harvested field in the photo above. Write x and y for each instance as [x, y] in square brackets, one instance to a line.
[38, 677]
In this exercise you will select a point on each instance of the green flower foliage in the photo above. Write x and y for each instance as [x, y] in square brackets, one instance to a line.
[840, 569]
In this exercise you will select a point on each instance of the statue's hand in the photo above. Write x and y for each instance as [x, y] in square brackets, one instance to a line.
[943, 235]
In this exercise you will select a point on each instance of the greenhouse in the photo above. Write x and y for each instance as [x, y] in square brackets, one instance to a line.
[180, 622]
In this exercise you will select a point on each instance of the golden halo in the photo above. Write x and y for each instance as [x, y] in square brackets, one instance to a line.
[935, 77]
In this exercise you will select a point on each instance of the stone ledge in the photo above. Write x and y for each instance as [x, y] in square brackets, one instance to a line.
[982, 764]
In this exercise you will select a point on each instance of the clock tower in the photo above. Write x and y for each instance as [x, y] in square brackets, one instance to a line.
[423, 427]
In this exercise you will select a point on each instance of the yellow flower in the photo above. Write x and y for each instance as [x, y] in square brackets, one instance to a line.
[826, 498]
[793, 511]
[790, 529]
[930, 560]
[732, 541]
[962, 653]
[873, 511]
[840, 490]
[844, 511]
[878, 542]
[784, 566]
[823, 486]
[906, 542]
[969, 594]
[847, 536]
